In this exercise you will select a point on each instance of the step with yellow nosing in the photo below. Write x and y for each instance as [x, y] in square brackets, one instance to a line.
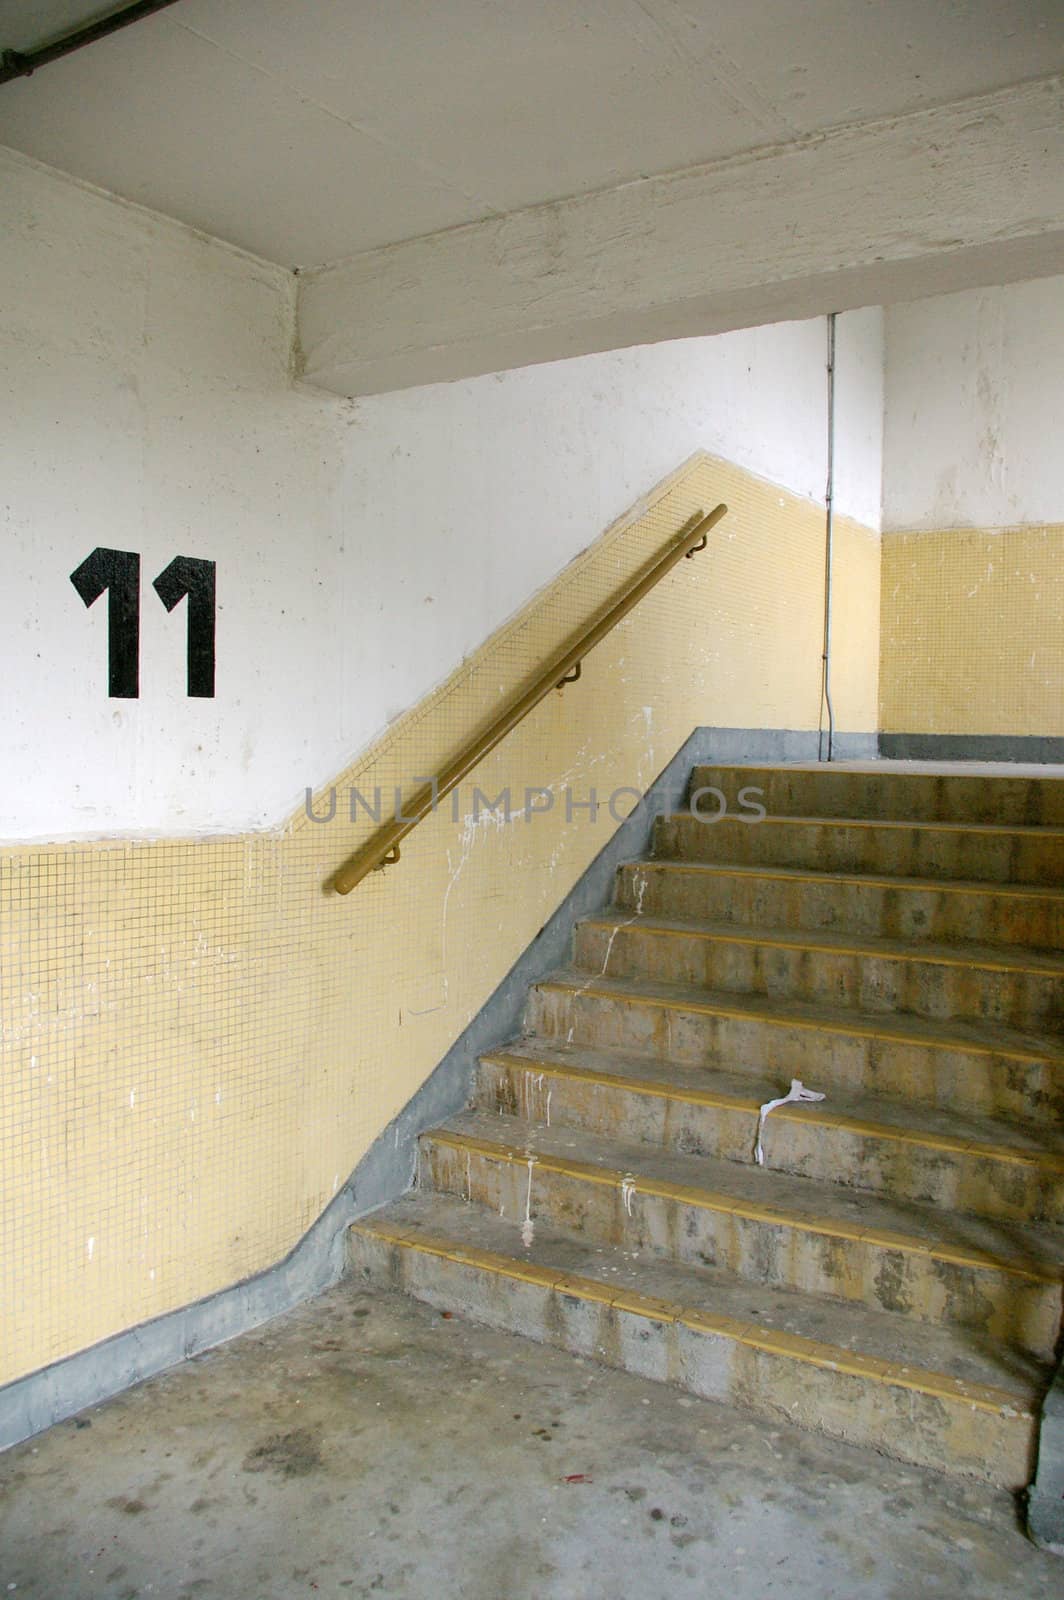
[965, 1414]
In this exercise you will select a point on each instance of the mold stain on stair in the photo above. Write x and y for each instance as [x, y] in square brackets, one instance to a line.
[892, 1290]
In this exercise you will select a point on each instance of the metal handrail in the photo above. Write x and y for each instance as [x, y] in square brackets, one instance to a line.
[383, 849]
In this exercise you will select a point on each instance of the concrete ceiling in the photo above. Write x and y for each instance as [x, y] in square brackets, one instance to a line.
[313, 131]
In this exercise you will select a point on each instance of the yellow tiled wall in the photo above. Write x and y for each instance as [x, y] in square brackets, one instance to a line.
[201, 1040]
[973, 631]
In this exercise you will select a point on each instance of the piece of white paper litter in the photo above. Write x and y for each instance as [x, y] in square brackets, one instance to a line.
[797, 1091]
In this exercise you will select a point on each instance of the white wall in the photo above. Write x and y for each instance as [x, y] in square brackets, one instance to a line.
[146, 406]
[490, 485]
[363, 548]
[974, 398]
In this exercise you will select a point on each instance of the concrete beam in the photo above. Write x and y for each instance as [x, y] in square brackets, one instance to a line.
[900, 208]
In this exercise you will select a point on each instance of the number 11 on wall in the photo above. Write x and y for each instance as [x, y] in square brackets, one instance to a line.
[118, 572]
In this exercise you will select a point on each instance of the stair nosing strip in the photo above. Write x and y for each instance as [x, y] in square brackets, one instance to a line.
[819, 1115]
[774, 940]
[892, 824]
[885, 880]
[749, 1211]
[799, 1347]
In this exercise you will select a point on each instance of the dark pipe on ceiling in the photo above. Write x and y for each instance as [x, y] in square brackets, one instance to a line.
[20, 64]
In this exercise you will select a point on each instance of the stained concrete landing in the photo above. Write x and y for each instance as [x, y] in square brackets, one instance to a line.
[365, 1445]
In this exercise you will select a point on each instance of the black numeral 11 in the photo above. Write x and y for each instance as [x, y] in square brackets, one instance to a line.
[118, 572]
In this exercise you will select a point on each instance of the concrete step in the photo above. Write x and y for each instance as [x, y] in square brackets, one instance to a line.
[955, 1161]
[929, 849]
[796, 790]
[998, 1280]
[920, 1393]
[867, 904]
[958, 1066]
[1019, 990]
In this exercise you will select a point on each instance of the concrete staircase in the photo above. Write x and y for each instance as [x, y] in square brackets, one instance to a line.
[892, 1274]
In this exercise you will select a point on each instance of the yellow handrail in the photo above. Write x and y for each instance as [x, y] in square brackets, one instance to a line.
[383, 849]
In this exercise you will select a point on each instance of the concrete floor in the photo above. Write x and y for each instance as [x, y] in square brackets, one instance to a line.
[365, 1445]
